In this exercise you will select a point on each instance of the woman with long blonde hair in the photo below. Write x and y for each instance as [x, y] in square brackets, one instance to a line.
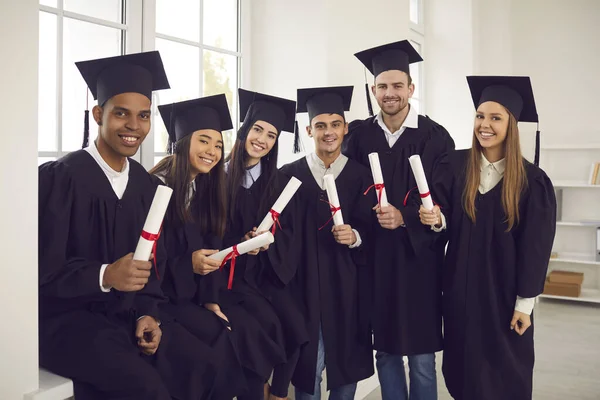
[499, 211]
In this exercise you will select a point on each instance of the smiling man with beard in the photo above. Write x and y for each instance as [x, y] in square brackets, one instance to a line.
[329, 284]
[406, 316]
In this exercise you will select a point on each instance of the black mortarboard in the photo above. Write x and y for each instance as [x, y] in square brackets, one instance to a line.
[107, 77]
[391, 56]
[186, 117]
[277, 111]
[325, 100]
[515, 93]
[138, 73]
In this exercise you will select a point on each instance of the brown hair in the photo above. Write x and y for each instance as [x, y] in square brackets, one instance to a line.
[208, 206]
[515, 178]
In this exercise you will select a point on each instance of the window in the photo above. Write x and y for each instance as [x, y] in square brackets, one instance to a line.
[199, 41]
[417, 39]
[70, 31]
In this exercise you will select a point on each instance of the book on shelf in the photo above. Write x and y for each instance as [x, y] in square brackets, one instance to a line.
[594, 174]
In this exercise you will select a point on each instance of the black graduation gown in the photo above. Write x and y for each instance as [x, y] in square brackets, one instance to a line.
[87, 334]
[485, 269]
[331, 284]
[407, 311]
[246, 345]
[260, 281]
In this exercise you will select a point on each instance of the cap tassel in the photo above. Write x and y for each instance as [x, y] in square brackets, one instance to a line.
[86, 124]
[369, 104]
[170, 141]
[536, 160]
[296, 138]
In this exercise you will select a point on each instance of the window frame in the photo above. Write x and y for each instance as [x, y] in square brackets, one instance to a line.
[131, 33]
[138, 34]
[147, 150]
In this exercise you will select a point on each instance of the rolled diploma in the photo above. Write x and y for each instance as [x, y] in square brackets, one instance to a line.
[332, 195]
[378, 177]
[282, 201]
[417, 168]
[256, 242]
[154, 220]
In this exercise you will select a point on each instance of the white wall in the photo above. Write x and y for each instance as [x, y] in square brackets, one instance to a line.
[448, 60]
[311, 43]
[18, 198]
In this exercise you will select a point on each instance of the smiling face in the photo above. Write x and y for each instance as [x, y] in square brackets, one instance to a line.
[491, 125]
[206, 150]
[392, 90]
[328, 131]
[260, 140]
[124, 122]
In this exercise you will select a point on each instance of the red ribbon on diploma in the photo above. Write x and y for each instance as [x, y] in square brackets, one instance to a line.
[423, 195]
[333, 210]
[275, 215]
[151, 237]
[231, 256]
[379, 188]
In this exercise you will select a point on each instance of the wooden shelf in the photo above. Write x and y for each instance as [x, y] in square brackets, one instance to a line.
[587, 296]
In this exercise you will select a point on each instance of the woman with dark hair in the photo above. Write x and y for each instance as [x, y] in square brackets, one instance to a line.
[253, 185]
[193, 230]
[501, 212]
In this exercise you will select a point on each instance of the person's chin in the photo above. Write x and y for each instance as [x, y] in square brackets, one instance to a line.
[392, 110]
[205, 169]
[125, 151]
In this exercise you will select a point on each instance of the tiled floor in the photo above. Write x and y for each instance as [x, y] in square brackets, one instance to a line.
[567, 341]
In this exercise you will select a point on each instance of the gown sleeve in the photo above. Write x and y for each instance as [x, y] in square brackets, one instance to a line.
[61, 275]
[422, 236]
[350, 146]
[535, 236]
[282, 256]
[211, 285]
[362, 220]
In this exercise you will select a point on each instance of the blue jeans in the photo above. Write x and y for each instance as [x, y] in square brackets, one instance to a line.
[345, 392]
[422, 374]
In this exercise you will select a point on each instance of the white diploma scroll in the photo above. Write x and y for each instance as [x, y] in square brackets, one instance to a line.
[282, 201]
[245, 247]
[332, 195]
[417, 168]
[154, 220]
[378, 179]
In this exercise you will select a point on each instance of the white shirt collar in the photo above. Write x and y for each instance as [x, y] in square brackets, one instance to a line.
[313, 159]
[318, 169]
[252, 174]
[411, 121]
[110, 173]
[499, 166]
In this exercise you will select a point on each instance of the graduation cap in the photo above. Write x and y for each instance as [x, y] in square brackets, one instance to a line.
[391, 56]
[325, 100]
[186, 117]
[279, 112]
[515, 93]
[107, 77]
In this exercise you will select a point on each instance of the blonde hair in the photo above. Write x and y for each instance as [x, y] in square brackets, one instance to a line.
[515, 178]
